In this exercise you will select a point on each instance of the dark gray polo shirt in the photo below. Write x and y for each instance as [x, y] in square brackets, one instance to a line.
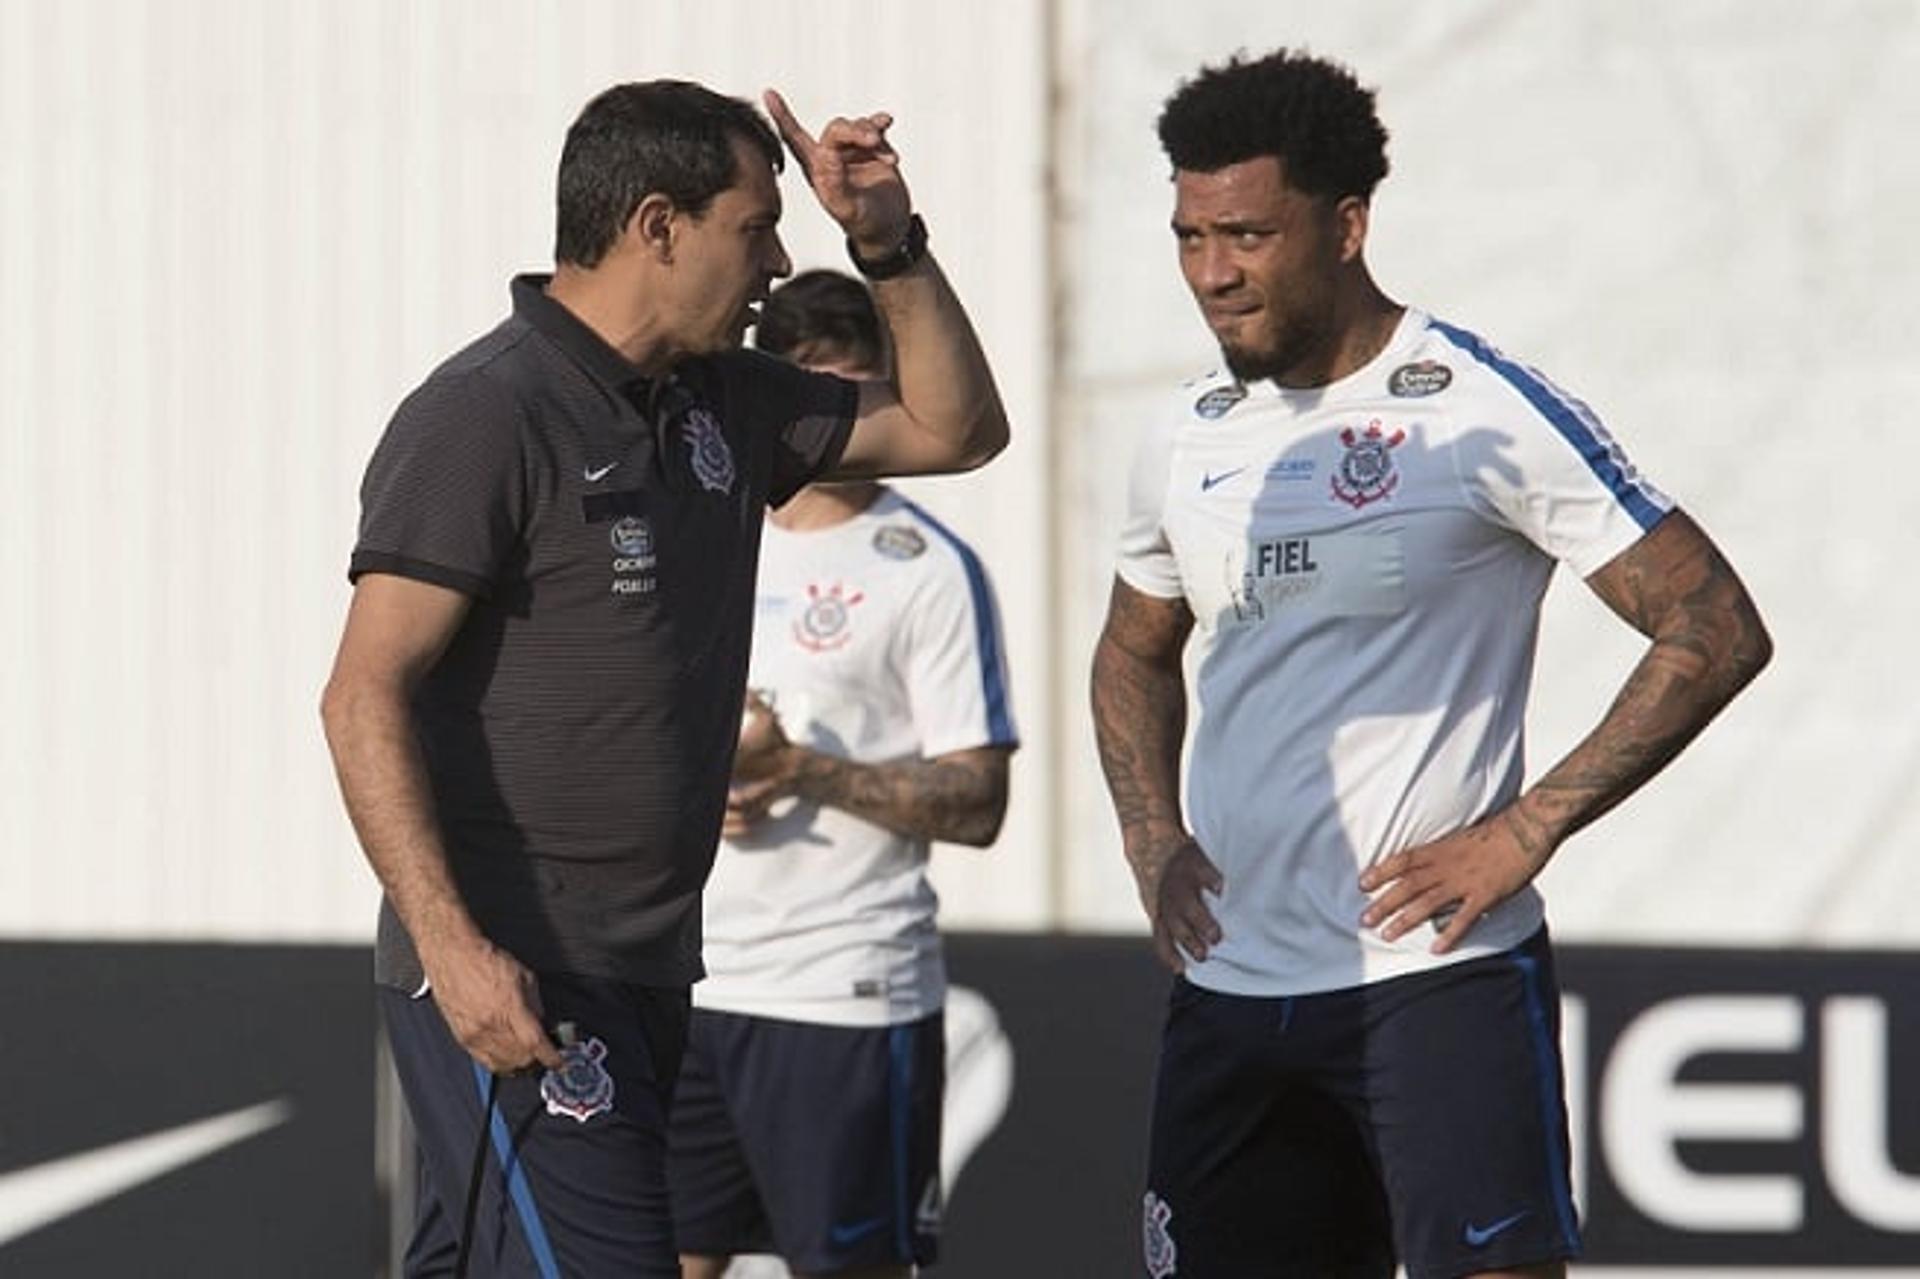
[579, 729]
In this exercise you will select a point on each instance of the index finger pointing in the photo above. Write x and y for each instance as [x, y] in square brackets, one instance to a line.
[792, 132]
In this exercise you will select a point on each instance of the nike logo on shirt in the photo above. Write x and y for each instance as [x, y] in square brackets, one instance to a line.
[1210, 482]
[43, 1193]
[594, 476]
[1481, 1236]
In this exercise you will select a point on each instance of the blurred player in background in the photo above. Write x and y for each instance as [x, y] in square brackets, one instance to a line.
[535, 704]
[807, 1121]
[1354, 523]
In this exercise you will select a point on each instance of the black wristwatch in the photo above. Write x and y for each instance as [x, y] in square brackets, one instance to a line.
[912, 247]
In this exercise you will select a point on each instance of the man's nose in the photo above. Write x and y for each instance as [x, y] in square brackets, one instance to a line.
[1213, 269]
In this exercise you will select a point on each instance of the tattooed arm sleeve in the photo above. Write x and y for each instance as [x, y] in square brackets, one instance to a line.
[960, 797]
[1674, 587]
[1140, 718]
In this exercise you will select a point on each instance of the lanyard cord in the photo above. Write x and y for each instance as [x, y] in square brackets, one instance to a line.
[474, 1179]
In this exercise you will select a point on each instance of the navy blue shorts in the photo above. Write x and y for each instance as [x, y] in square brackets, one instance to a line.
[575, 1173]
[819, 1143]
[1423, 1116]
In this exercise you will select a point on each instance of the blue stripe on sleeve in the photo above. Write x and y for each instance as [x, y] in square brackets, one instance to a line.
[517, 1188]
[986, 626]
[1566, 418]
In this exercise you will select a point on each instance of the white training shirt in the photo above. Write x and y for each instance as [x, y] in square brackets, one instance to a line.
[878, 640]
[1364, 562]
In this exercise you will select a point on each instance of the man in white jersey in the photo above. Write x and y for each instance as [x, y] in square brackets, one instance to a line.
[808, 1116]
[1353, 525]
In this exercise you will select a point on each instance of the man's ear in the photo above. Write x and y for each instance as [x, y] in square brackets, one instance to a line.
[1351, 215]
[651, 228]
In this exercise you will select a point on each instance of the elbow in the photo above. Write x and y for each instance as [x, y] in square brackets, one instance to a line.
[1751, 655]
[334, 712]
[988, 439]
[345, 706]
[1748, 649]
[981, 827]
[1105, 654]
[978, 824]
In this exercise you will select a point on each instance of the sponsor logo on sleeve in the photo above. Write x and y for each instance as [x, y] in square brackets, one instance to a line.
[899, 542]
[1427, 377]
[1218, 402]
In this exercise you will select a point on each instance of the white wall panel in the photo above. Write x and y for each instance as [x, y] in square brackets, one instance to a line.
[1700, 218]
[235, 235]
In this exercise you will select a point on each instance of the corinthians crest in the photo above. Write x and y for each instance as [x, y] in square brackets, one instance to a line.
[826, 624]
[712, 459]
[581, 1088]
[1366, 473]
[1162, 1255]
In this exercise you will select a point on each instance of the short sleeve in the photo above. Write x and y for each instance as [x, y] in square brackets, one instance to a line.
[956, 672]
[808, 415]
[1146, 560]
[1562, 481]
[444, 497]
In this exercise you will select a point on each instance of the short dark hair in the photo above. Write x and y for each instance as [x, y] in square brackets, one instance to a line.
[822, 315]
[1308, 112]
[672, 137]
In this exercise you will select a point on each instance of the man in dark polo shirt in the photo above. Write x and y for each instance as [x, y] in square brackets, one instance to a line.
[539, 687]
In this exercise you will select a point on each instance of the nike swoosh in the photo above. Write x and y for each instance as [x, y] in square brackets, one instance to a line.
[1208, 482]
[1480, 1237]
[841, 1235]
[35, 1196]
[593, 476]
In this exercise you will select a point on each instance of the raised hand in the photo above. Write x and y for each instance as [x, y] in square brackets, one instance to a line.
[854, 172]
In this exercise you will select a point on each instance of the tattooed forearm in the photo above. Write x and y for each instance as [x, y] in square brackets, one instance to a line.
[1140, 713]
[1708, 642]
[960, 798]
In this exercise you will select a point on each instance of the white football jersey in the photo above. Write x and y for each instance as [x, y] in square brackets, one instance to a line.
[1364, 562]
[877, 639]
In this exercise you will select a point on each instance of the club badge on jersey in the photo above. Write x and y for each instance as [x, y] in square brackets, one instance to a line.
[1366, 473]
[581, 1088]
[712, 459]
[827, 622]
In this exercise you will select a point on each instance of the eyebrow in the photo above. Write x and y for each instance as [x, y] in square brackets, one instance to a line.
[1232, 226]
